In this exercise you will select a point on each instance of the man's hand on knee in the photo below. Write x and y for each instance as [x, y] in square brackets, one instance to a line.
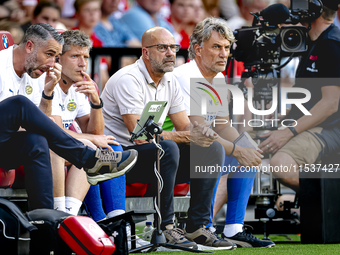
[275, 140]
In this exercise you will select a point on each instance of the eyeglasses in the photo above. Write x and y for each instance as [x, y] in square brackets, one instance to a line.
[164, 47]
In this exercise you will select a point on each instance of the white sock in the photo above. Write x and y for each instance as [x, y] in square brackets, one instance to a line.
[72, 205]
[115, 213]
[232, 229]
[59, 204]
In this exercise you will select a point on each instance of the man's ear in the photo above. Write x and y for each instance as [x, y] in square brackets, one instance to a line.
[145, 53]
[29, 47]
[197, 49]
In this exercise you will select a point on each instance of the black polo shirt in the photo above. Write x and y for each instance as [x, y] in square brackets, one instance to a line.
[320, 67]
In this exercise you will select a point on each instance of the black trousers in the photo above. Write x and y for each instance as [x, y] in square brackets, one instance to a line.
[31, 147]
[177, 166]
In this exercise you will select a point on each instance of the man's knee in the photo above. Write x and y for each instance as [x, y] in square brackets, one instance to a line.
[171, 150]
[283, 167]
[20, 101]
[37, 142]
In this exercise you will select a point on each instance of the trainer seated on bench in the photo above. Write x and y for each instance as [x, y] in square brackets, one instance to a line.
[21, 65]
[124, 97]
[209, 48]
[318, 134]
[71, 103]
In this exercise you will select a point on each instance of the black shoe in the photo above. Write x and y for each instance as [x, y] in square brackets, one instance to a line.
[246, 239]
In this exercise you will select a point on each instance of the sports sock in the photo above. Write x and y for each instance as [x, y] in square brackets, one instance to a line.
[113, 191]
[239, 186]
[59, 203]
[232, 229]
[94, 203]
[227, 161]
[72, 205]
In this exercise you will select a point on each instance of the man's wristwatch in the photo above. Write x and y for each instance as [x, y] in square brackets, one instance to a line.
[293, 130]
[47, 97]
[97, 106]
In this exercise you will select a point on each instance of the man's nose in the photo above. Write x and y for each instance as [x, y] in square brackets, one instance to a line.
[169, 52]
[82, 61]
[51, 62]
[224, 53]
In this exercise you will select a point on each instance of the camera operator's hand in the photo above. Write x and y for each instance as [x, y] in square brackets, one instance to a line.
[202, 134]
[247, 156]
[275, 141]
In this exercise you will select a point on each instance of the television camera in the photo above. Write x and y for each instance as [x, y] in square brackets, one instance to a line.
[272, 36]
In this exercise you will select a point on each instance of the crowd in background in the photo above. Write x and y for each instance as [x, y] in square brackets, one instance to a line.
[121, 23]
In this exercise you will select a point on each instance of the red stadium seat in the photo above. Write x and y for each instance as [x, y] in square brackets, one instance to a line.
[6, 177]
[6, 40]
[181, 189]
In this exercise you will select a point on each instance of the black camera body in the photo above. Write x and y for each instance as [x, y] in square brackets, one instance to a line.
[265, 43]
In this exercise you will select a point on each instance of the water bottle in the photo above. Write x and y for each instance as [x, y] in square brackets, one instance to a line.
[147, 231]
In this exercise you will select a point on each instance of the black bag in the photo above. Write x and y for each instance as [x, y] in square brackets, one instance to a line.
[15, 229]
[116, 230]
[46, 238]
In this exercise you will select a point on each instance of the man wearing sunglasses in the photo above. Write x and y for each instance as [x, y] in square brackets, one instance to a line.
[125, 96]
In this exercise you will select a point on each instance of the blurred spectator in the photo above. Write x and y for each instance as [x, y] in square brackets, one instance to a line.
[111, 31]
[246, 19]
[88, 14]
[46, 12]
[16, 13]
[212, 7]
[199, 13]
[28, 6]
[229, 9]
[144, 15]
[4, 12]
[14, 28]
[182, 12]
[67, 13]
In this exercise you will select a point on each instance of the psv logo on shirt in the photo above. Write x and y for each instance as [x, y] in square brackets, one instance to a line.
[28, 89]
[71, 106]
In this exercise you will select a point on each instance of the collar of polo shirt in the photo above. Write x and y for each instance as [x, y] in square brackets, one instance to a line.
[165, 79]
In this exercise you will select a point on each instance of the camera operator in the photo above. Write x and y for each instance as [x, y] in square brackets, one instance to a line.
[317, 134]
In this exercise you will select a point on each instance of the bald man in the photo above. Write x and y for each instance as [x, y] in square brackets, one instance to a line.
[124, 97]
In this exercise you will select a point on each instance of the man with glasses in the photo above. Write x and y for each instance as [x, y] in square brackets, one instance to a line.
[125, 96]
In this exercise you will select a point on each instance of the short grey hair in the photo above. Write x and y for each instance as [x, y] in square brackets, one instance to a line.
[40, 33]
[75, 38]
[203, 31]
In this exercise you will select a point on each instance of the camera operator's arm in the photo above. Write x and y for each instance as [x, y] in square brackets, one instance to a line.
[320, 112]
